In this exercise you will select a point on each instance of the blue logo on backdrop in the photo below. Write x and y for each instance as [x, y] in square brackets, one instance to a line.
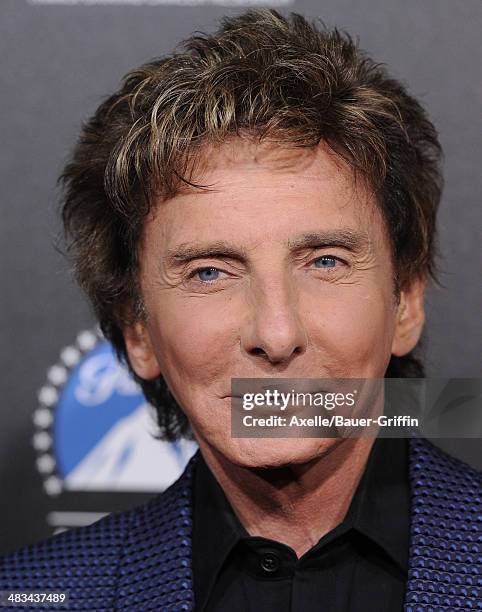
[96, 396]
[94, 429]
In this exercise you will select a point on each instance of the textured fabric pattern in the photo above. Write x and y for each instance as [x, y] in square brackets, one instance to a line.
[140, 560]
[446, 533]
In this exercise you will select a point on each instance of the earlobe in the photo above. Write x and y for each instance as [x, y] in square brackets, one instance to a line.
[409, 318]
[140, 351]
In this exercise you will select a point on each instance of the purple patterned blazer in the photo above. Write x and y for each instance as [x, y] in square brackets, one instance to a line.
[140, 560]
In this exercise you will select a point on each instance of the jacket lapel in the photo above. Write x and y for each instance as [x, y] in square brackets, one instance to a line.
[155, 570]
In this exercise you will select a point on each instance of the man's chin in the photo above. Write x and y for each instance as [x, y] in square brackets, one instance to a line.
[276, 452]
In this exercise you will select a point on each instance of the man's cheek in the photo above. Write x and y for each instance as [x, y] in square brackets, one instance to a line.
[358, 330]
[193, 353]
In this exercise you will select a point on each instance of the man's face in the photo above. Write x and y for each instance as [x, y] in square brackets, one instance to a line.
[283, 270]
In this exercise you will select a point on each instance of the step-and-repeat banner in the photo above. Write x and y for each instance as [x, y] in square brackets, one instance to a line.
[77, 439]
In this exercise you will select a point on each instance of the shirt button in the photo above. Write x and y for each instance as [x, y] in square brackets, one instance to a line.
[269, 562]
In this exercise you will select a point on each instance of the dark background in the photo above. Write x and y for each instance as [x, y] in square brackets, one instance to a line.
[58, 61]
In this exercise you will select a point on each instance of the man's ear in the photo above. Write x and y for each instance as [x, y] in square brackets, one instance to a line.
[141, 354]
[410, 317]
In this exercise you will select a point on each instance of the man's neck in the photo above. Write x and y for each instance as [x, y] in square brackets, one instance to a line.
[296, 504]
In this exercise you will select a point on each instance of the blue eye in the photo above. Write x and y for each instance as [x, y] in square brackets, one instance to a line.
[208, 271]
[327, 261]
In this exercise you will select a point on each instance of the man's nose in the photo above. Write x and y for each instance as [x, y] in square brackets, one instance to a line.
[273, 326]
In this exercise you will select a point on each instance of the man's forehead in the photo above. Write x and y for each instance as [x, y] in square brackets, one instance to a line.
[273, 156]
[295, 207]
[250, 173]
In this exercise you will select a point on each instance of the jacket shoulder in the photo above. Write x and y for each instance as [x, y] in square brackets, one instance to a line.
[430, 465]
[82, 562]
[446, 492]
[91, 563]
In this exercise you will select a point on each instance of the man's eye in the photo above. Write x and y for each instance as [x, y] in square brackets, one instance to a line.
[327, 261]
[210, 274]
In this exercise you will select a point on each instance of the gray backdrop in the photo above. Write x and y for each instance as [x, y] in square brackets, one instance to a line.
[58, 61]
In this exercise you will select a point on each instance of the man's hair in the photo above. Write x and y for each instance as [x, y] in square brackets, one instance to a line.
[264, 76]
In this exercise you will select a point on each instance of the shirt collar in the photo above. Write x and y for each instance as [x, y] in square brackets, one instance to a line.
[216, 530]
[380, 508]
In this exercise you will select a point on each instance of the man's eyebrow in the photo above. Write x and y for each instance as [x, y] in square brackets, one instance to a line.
[187, 252]
[344, 238]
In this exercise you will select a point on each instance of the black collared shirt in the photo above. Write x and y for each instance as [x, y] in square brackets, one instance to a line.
[360, 565]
